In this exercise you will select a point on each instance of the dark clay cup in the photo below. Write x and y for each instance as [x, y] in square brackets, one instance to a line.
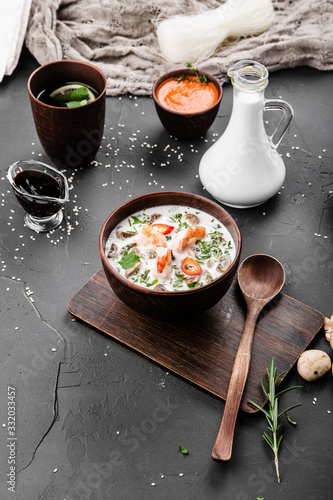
[169, 305]
[70, 136]
[185, 126]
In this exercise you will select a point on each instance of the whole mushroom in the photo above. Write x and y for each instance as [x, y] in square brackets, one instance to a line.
[313, 364]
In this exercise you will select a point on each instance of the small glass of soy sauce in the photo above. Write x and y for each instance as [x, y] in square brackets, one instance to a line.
[41, 190]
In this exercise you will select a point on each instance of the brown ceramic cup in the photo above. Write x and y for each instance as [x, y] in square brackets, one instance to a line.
[70, 136]
[183, 125]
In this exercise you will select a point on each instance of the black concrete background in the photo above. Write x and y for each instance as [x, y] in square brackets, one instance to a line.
[97, 421]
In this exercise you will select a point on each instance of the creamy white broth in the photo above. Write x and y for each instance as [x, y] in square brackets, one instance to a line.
[136, 248]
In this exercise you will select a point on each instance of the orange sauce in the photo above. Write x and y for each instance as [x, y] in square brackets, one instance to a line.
[187, 96]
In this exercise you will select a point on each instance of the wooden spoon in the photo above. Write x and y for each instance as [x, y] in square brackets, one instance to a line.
[260, 278]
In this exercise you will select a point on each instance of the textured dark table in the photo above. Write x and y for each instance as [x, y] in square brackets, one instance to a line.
[86, 406]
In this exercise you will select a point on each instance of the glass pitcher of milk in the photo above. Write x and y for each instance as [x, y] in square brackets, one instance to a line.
[243, 168]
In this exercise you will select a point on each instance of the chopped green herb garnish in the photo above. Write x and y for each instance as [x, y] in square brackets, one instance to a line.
[128, 260]
[177, 218]
[153, 283]
[180, 278]
[126, 248]
[201, 78]
[194, 284]
[181, 78]
[215, 234]
[207, 250]
[144, 276]
[183, 450]
[136, 220]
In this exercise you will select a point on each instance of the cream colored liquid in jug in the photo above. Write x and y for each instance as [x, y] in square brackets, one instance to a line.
[243, 169]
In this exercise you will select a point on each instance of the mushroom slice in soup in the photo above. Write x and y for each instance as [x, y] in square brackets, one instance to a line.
[123, 234]
[160, 288]
[153, 218]
[113, 251]
[206, 276]
[131, 270]
[220, 239]
[192, 279]
[224, 263]
[192, 219]
[191, 253]
[150, 253]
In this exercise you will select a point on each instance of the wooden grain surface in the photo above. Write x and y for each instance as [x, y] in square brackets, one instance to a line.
[203, 350]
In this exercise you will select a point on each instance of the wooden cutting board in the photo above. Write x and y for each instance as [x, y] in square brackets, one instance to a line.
[203, 350]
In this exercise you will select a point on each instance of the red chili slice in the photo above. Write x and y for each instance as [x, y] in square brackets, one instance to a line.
[164, 228]
[190, 267]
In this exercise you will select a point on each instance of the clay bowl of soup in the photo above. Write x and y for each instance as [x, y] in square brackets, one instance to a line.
[170, 255]
[187, 103]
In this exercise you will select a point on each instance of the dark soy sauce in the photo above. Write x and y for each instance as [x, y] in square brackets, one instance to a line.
[36, 183]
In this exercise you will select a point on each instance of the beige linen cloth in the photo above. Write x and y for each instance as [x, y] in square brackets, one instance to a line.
[119, 37]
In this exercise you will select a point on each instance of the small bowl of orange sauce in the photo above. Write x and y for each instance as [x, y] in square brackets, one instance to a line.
[186, 102]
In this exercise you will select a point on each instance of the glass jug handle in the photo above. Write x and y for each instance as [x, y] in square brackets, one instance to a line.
[287, 116]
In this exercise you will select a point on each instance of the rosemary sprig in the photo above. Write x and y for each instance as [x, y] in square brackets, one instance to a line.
[272, 414]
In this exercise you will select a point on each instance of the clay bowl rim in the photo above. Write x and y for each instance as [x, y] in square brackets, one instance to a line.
[66, 61]
[187, 71]
[160, 293]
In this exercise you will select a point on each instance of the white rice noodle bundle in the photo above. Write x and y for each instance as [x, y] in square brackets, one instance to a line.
[194, 38]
